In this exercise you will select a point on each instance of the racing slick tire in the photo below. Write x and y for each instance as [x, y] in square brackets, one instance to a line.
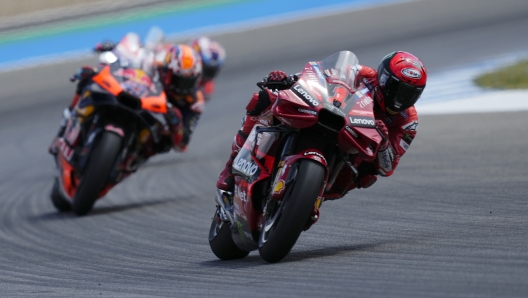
[221, 241]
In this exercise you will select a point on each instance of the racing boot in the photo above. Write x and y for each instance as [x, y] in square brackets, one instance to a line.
[366, 181]
[226, 181]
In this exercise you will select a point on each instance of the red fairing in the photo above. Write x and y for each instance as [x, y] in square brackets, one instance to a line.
[293, 111]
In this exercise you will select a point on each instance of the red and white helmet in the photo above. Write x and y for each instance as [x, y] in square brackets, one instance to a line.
[212, 54]
[401, 78]
[182, 70]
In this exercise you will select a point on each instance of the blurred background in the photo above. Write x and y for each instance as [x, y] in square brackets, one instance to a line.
[451, 221]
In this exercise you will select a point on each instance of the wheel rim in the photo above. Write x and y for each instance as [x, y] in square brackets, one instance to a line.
[270, 221]
[216, 225]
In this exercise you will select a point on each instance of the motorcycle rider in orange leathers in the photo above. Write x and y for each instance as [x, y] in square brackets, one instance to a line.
[178, 68]
[395, 87]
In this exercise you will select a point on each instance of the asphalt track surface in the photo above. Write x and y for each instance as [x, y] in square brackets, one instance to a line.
[451, 222]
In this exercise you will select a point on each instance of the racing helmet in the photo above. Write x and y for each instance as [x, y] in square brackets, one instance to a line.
[401, 78]
[182, 70]
[212, 54]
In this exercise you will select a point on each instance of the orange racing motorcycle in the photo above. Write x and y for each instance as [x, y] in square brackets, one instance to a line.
[290, 160]
[118, 123]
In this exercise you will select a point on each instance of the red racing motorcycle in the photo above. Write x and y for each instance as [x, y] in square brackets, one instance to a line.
[290, 160]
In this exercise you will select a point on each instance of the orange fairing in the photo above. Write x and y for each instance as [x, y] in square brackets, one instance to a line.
[105, 79]
[69, 180]
[156, 104]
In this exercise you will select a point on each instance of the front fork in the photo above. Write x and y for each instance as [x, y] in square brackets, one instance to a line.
[287, 172]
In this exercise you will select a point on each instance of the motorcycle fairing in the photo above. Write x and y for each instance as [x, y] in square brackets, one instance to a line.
[359, 135]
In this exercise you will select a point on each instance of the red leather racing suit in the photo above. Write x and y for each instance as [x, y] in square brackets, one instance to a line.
[402, 126]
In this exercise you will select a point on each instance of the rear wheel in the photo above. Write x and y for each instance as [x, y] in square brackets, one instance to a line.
[59, 201]
[285, 220]
[221, 241]
[96, 173]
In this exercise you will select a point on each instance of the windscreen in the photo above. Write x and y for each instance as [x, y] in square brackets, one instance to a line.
[341, 66]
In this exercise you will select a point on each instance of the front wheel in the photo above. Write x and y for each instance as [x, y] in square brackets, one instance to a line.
[97, 171]
[221, 241]
[285, 222]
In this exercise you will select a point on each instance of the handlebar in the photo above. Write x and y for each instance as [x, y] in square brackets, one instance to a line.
[286, 83]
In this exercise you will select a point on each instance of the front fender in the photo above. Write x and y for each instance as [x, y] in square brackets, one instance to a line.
[287, 171]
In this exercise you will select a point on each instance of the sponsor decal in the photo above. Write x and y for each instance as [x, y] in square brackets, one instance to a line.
[66, 150]
[365, 101]
[305, 95]
[361, 121]
[311, 112]
[411, 126]
[361, 112]
[362, 92]
[404, 115]
[264, 121]
[135, 88]
[318, 71]
[316, 154]
[411, 73]
[334, 109]
[404, 145]
[351, 131]
[246, 167]
[366, 82]
[279, 187]
[71, 136]
[242, 195]
[311, 74]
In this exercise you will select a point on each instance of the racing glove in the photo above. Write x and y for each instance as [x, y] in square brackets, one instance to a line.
[276, 76]
[384, 133]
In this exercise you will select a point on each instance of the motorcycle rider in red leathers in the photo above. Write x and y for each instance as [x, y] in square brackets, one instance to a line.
[213, 56]
[395, 87]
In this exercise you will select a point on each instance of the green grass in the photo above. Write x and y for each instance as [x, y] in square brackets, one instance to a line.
[510, 77]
